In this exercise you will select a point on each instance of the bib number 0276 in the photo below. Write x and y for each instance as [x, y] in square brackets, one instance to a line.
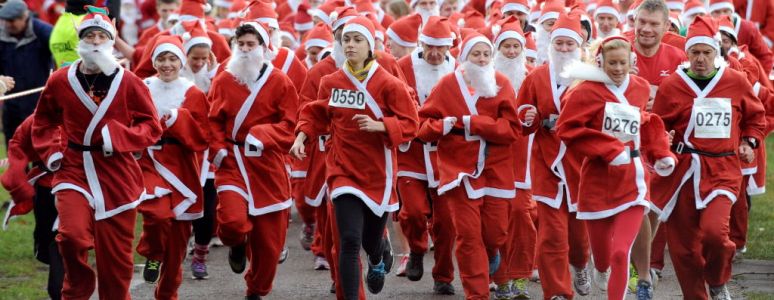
[625, 126]
[347, 99]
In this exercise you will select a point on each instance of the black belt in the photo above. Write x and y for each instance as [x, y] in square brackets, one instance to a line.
[238, 143]
[169, 140]
[457, 131]
[634, 153]
[83, 148]
[681, 148]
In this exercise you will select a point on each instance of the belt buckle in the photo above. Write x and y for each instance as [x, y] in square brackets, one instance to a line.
[679, 148]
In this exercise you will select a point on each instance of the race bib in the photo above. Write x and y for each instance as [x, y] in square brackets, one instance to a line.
[621, 121]
[347, 99]
[711, 118]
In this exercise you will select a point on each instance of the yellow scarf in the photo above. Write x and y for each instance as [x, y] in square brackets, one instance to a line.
[360, 74]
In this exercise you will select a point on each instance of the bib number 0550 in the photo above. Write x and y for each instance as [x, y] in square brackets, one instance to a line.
[347, 99]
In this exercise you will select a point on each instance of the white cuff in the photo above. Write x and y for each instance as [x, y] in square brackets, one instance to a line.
[520, 109]
[667, 161]
[407, 145]
[54, 161]
[448, 124]
[254, 142]
[466, 124]
[623, 158]
[172, 118]
[107, 143]
[222, 153]
[211, 74]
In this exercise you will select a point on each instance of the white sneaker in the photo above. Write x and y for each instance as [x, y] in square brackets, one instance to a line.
[601, 278]
[720, 293]
[581, 281]
[654, 277]
[535, 276]
[216, 242]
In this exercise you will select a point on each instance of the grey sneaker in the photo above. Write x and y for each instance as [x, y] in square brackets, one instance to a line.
[283, 255]
[720, 293]
[443, 288]
[644, 290]
[320, 263]
[581, 281]
[306, 237]
[519, 288]
[503, 292]
[199, 270]
[559, 297]
[601, 278]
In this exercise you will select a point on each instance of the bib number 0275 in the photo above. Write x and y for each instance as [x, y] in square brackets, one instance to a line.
[347, 99]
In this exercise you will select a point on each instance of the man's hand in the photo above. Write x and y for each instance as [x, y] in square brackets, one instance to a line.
[369, 125]
[746, 153]
[298, 149]
[212, 62]
[529, 116]
[671, 136]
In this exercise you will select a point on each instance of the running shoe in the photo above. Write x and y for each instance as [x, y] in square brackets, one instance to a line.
[559, 297]
[401, 272]
[443, 288]
[535, 276]
[720, 293]
[237, 259]
[320, 263]
[654, 277]
[333, 288]
[415, 267]
[306, 237]
[644, 290]
[151, 271]
[283, 255]
[252, 297]
[216, 242]
[503, 292]
[387, 255]
[375, 277]
[601, 278]
[199, 270]
[519, 288]
[581, 282]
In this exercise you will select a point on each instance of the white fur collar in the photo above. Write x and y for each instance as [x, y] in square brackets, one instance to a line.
[582, 71]
[168, 95]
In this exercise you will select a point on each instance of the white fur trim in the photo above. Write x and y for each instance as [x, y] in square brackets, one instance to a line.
[222, 153]
[341, 21]
[622, 158]
[316, 43]
[530, 53]
[271, 22]
[316, 12]
[695, 10]
[172, 118]
[548, 16]
[222, 3]
[702, 40]
[515, 7]
[397, 39]
[56, 157]
[303, 26]
[261, 31]
[469, 45]
[428, 40]
[509, 35]
[107, 143]
[168, 47]
[667, 161]
[567, 33]
[607, 10]
[728, 30]
[675, 5]
[721, 5]
[196, 41]
[97, 21]
[582, 71]
[361, 30]
[255, 142]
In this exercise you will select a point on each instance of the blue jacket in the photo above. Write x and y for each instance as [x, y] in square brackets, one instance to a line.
[28, 60]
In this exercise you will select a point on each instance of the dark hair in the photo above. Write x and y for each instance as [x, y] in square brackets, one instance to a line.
[199, 45]
[159, 2]
[731, 37]
[248, 29]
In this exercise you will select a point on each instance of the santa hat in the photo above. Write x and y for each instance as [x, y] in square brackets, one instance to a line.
[704, 30]
[236, 8]
[693, 7]
[584, 18]
[262, 12]
[609, 7]
[226, 27]
[320, 36]
[341, 16]
[521, 6]
[677, 5]
[530, 50]
[437, 32]
[193, 9]
[471, 41]
[287, 31]
[534, 13]
[508, 28]
[725, 25]
[96, 17]
[674, 19]
[222, 3]
[263, 32]
[363, 26]
[568, 25]
[169, 43]
[490, 3]
[551, 10]
[592, 7]
[610, 38]
[472, 19]
[413, 3]
[194, 34]
[324, 11]
[720, 4]
[404, 30]
[378, 28]
[632, 11]
[302, 21]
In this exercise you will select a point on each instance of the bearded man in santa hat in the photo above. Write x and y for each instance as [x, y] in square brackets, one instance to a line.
[106, 114]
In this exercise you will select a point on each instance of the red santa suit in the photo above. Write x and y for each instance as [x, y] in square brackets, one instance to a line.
[171, 171]
[144, 67]
[99, 183]
[708, 175]
[554, 172]
[761, 13]
[609, 126]
[475, 166]
[417, 167]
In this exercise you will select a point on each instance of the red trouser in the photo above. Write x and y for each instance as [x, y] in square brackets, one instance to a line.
[418, 203]
[164, 239]
[264, 235]
[698, 241]
[739, 216]
[657, 248]
[305, 211]
[611, 241]
[518, 252]
[562, 240]
[482, 227]
[111, 240]
[321, 218]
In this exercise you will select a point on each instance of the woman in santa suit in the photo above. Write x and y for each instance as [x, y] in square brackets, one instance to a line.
[252, 118]
[609, 126]
[171, 168]
[471, 115]
[368, 113]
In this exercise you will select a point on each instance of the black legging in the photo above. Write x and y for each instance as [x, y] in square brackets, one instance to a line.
[358, 225]
[45, 246]
[204, 226]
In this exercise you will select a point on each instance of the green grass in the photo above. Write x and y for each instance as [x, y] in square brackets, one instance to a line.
[761, 231]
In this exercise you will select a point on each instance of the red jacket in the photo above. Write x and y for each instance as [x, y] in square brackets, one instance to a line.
[761, 13]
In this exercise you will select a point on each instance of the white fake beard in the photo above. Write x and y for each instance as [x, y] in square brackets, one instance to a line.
[427, 75]
[246, 66]
[276, 43]
[167, 95]
[514, 68]
[482, 79]
[603, 35]
[559, 61]
[201, 79]
[426, 14]
[542, 42]
[338, 54]
[98, 57]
